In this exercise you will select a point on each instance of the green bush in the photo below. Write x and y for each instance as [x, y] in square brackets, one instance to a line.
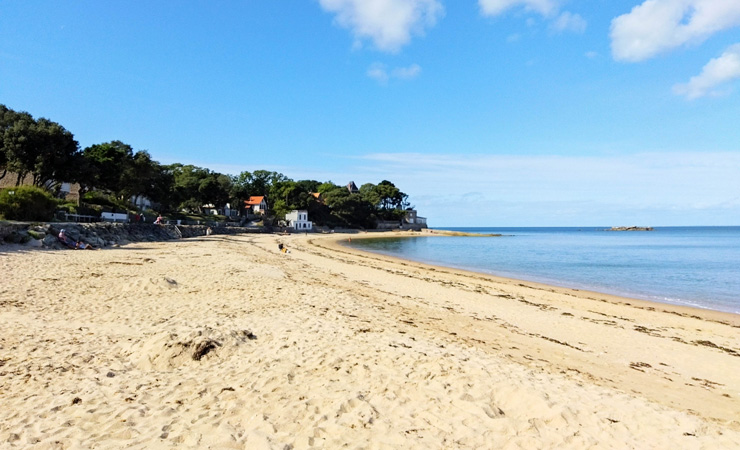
[98, 198]
[27, 203]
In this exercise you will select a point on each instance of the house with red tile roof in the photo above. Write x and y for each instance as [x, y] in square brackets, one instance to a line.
[257, 204]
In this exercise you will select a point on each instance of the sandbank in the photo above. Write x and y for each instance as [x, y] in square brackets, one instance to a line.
[225, 342]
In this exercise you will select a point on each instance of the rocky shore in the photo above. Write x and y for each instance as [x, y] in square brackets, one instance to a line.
[101, 235]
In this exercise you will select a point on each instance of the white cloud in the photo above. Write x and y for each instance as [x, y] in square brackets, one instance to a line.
[389, 24]
[535, 190]
[656, 26]
[565, 21]
[381, 73]
[378, 72]
[569, 22]
[516, 37]
[716, 72]
[407, 73]
[496, 7]
[546, 190]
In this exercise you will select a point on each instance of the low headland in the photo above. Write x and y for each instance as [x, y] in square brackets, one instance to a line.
[632, 228]
[224, 341]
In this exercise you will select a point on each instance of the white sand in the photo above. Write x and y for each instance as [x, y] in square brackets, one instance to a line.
[223, 342]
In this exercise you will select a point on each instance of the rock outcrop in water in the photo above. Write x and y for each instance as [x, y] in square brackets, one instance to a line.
[631, 229]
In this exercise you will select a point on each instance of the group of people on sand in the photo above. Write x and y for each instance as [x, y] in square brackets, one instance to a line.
[73, 244]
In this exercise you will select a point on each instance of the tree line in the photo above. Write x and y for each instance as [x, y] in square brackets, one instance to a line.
[49, 154]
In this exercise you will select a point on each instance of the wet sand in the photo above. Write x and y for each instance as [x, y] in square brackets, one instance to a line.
[225, 342]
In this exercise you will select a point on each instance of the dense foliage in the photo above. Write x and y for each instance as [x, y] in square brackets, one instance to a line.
[49, 154]
[27, 203]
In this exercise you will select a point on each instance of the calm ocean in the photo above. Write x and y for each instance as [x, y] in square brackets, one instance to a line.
[691, 266]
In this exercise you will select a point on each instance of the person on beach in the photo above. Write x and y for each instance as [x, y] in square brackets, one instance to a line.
[159, 220]
[71, 243]
[66, 240]
[83, 246]
[209, 231]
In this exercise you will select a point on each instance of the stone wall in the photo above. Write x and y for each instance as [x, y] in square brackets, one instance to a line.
[103, 234]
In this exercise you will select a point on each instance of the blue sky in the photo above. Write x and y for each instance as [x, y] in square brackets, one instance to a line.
[486, 112]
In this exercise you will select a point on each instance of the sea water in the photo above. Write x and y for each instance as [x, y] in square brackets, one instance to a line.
[690, 266]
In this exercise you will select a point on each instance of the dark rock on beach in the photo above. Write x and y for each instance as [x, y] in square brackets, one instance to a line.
[103, 234]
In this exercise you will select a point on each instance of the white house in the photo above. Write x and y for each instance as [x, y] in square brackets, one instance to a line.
[298, 220]
[141, 202]
[225, 211]
[257, 204]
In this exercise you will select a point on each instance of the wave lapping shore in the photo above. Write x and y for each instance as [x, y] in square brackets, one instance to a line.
[226, 342]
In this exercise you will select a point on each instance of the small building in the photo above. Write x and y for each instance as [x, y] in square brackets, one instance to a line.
[225, 211]
[298, 220]
[352, 187]
[317, 195]
[257, 205]
[141, 202]
[411, 218]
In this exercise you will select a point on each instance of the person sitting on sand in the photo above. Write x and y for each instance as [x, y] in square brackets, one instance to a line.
[66, 240]
[71, 243]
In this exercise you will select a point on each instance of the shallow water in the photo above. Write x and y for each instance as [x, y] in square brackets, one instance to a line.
[691, 266]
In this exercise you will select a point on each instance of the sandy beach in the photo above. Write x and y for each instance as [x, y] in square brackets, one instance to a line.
[225, 342]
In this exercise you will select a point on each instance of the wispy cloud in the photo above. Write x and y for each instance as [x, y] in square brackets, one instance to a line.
[381, 73]
[378, 72]
[407, 73]
[496, 7]
[657, 26]
[542, 190]
[646, 188]
[569, 22]
[389, 24]
[716, 73]
[550, 9]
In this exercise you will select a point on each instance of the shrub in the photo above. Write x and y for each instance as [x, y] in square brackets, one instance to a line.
[98, 198]
[27, 203]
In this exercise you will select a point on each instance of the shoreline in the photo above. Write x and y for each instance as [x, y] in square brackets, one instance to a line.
[626, 297]
[225, 341]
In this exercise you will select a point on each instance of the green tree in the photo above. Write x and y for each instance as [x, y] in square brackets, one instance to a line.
[349, 210]
[140, 177]
[186, 188]
[19, 143]
[163, 189]
[194, 187]
[56, 154]
[108, 165]
[391, 201]
[7, 117]
[42, 148]
[214, 189]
